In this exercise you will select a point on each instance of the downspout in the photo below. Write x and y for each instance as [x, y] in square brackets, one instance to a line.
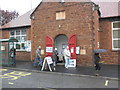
[92, 23]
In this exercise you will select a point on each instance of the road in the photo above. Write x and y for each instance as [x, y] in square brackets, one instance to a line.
[24, 79]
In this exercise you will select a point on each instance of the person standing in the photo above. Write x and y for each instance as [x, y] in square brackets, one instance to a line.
[96, 61]
[13, 55]
[38, 57]
[67, 55]
[54, 57]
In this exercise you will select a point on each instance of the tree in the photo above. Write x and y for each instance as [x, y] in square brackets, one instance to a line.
[6, 16]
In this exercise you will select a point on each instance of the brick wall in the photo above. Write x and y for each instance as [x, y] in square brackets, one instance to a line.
[23, 56]
[78, 21]
[0, 34]
[5, 34]
[109, 57]
[96, 30]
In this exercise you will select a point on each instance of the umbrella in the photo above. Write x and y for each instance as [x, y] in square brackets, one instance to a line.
[100, 50]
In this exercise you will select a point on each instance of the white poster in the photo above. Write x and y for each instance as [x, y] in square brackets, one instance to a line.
[72, 63]
[2, 48]
[72, 50]
[49, 60]
[49, 49]
[28, 45]
[77, 50]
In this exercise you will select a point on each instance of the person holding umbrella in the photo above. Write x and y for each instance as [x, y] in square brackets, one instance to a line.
[97, 59]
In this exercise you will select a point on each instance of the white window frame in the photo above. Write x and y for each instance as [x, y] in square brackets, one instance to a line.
[113, 29]
[20, 42]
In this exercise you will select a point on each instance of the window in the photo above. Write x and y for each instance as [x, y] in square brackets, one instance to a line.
[20, 35]
[116, 35]
[60, 15]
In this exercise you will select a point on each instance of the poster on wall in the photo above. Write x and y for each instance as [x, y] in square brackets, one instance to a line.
[77, 50]
[28, 45]
[2, 48]
[72, 63]
[49, 49]
[83, 52]
[72, 50]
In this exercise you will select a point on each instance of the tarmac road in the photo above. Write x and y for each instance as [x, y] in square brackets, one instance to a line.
[24, 79]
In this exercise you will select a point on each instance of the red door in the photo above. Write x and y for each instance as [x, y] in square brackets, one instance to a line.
[49, 46]
[72, 46]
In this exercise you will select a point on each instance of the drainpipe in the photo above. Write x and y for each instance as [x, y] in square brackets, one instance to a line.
[92, 18]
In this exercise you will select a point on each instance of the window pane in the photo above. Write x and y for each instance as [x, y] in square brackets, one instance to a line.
[12, 33]
[116, 33]
[23, 38]
[23, 32]
[116, 25]
[18, 32]
[116, 43]
[18, 38]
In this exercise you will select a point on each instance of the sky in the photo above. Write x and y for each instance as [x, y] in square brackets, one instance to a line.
[22, 6]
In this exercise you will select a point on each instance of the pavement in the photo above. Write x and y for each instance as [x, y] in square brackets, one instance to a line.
[107, 71]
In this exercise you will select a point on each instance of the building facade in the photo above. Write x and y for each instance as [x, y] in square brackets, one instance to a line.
[60, 22]
[56, 25]
[109, 39]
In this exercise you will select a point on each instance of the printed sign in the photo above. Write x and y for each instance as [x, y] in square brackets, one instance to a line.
[49, 60]
[77, 50]
[72, 63]
[2, 48]
[72, 50]
[49, 49]
[83, 51]
[28, 45]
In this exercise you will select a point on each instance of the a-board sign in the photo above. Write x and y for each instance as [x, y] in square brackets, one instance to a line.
[47, 60]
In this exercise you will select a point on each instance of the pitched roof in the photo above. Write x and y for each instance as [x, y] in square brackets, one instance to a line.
[21, 21]
[108, 9]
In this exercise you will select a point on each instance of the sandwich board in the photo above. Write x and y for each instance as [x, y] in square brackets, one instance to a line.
[47, 60]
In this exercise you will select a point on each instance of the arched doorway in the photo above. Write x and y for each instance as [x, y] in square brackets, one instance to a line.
[60, 42]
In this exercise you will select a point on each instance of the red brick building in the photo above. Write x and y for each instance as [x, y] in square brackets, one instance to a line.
[61, 21]
[109, 32]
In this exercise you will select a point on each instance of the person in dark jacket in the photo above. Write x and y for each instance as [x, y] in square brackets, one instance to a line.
[54, 57]
[38, 57]
[96, 61]
[13, 55]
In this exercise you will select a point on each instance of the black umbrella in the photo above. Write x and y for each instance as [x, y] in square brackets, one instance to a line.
[100, 50]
